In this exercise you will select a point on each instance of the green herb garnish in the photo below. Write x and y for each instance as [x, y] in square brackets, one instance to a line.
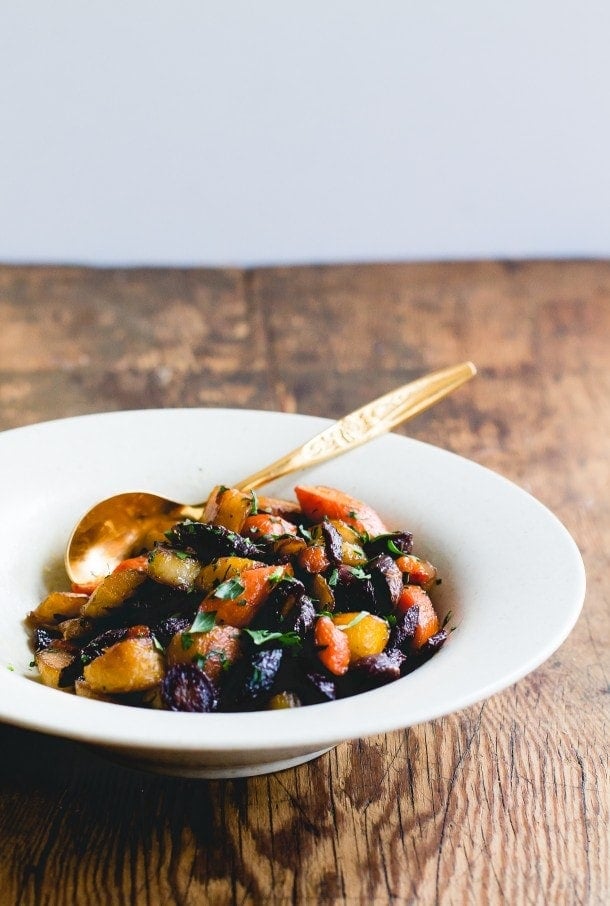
[200, 660]
[260, 636]
[277, 577]
[203, 621]
[358, 572]
[254, 505]
[229, 590]
[393, 549]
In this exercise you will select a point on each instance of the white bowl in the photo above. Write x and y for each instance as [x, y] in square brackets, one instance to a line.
[512, 576]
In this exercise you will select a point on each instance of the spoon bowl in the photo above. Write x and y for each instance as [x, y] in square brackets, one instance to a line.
[115, 527]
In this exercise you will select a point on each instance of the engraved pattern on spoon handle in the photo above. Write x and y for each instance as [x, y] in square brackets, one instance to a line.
[372, 420]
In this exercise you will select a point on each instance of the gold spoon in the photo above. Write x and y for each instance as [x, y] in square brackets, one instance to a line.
[110, 530]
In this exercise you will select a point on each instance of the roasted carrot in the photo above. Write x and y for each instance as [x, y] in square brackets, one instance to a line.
[420, 572]
[237, 600]
[139, 563]
[313, 559]
[277, 506]
[267, 524]
[213, 651]
[320, 501]
[333, 646]
[428, 622]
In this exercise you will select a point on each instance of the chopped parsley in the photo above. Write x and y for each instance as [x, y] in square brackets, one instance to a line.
[203, 622]
[278, 576]
[229, 590]
[260, 636]
[200, 660]
[358, 572]
[254, 505]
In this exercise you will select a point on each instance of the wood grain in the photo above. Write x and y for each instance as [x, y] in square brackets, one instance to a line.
[505, 802]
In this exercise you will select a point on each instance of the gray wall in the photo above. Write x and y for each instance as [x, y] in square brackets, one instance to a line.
[265, 132]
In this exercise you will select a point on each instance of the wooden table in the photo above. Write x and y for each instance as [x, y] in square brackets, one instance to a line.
[506, 802]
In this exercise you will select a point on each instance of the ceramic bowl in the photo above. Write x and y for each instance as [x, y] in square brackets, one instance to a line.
[511, 576]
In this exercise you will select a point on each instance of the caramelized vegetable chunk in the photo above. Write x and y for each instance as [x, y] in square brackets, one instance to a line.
[208, 541]
[366, 633]
[237, 600]
[221, 569]
[186, 688]
[173, 568]
[58, 606]
[112, 592]
[228, 507]
[214, 652]
[56, 666]
[267, 524]
[313, 559]
[428, 622]
[320, 501]
[333, 646]
[420, 572]
[131, 665]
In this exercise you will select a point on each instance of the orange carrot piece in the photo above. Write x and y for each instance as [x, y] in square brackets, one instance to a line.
[267, 524]
[240, 611]
[320, 501]
[333, 644]
[139, 563]
[428, 622]
[277, 506]
[421, 572]
[313, 559]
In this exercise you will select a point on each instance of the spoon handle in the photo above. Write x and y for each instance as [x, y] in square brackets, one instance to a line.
[364, 424]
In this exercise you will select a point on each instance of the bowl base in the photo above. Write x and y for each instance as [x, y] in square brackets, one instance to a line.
[209, 771]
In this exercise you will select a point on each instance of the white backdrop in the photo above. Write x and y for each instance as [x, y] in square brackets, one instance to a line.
[244, 132]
